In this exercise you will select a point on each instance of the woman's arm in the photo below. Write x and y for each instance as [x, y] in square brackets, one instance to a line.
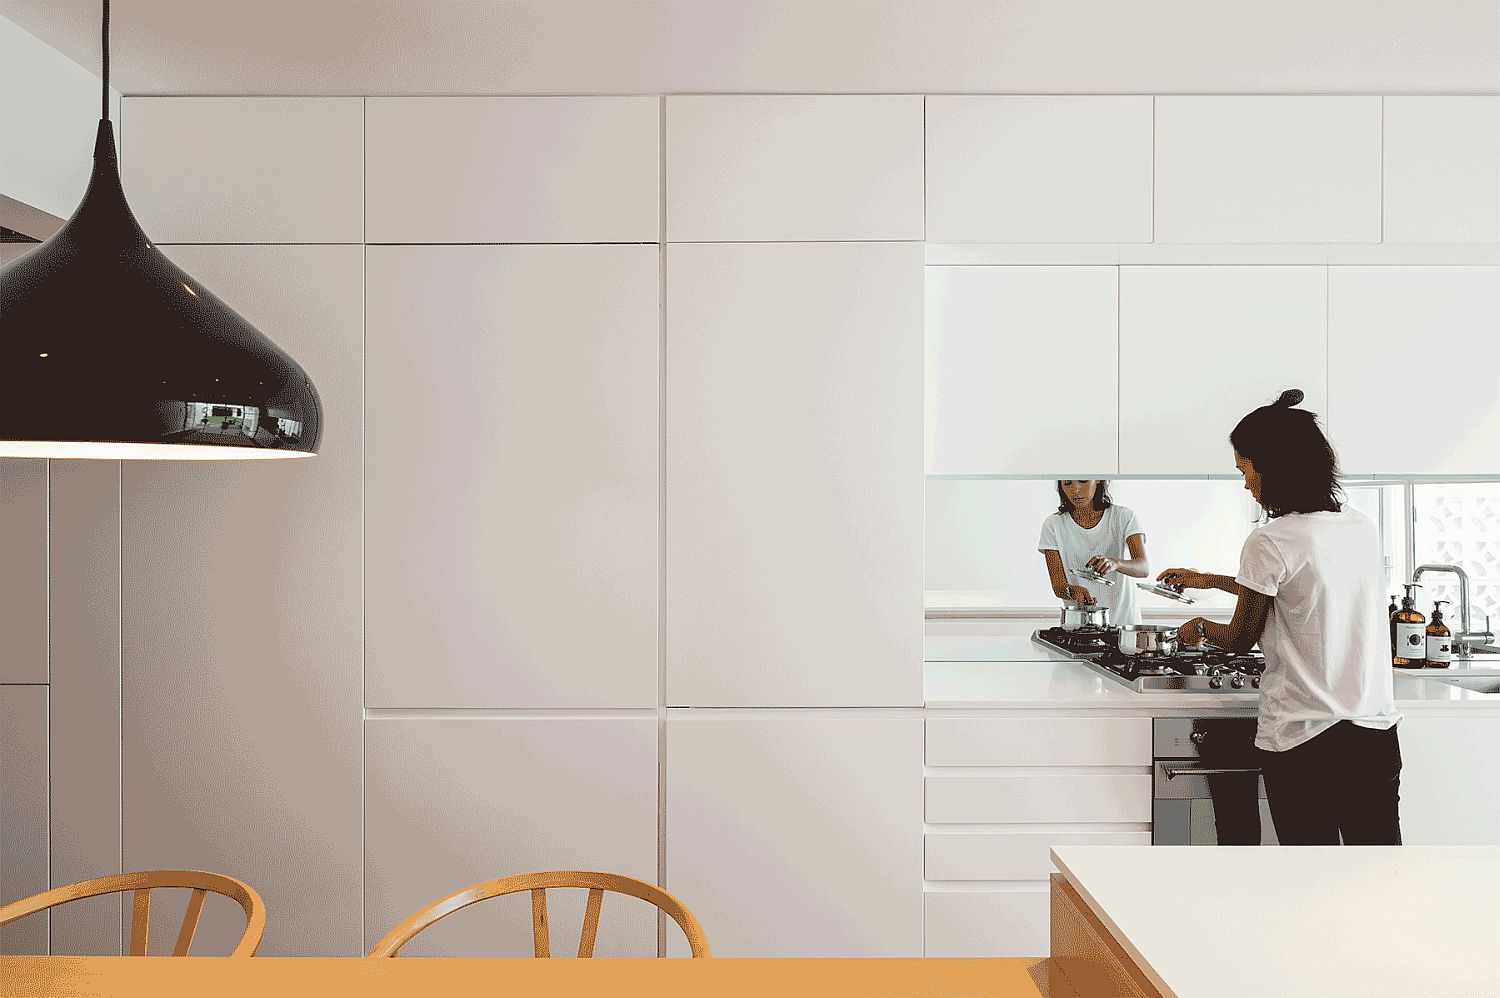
[1136, 566]
[1060, 587]
[1242, 632]
[1191, 578]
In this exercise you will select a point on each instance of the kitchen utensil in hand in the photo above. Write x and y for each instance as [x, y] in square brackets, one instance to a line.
[1167, 591]
[1091, 575]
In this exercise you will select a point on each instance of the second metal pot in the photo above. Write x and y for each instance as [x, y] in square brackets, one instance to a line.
[1147, 639]
[1075, 616]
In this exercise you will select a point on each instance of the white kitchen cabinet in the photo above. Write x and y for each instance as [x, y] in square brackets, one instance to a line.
[1039, 741]
[452, 801]
[241, 629]
[24, 844]
[1033, 169]
[797, 835]
[1022, 365]
[245, 169]
[1442, 169]
[1017, 853]
[793, 168]
[23, 571]
[1262, 169]
[794, 484]
[1202, 346]
[512, 476]
[1450, 780]
[513, 169]
[1413, 361]
[1043, 797]
[987, 923]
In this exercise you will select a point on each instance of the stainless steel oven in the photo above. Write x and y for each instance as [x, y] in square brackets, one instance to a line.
[1207, 788]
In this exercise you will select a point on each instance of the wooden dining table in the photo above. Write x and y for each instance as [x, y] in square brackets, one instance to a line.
[282, 977]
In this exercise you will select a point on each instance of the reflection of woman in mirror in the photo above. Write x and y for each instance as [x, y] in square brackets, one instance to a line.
[1090, 531]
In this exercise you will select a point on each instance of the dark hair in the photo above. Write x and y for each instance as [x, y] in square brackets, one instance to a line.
[1102, 500]
[1299, 472]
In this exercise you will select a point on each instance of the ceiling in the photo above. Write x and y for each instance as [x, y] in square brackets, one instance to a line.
[270, 47]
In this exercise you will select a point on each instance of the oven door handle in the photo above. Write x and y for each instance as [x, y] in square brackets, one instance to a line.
[1172, 772]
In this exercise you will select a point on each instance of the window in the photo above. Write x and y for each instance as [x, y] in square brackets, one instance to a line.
[1459, 524]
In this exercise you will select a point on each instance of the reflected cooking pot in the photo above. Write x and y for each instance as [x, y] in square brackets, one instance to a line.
[1075, 616]
[1147, 639]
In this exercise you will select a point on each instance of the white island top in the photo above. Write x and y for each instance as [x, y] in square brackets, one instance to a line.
[1299, 921]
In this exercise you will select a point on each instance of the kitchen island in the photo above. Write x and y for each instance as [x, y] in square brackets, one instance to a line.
[1292, 921]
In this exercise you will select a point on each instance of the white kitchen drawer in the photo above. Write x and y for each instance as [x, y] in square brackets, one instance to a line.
[1046, 797]
[1007, 855]
[987, 923]
[1042, 741]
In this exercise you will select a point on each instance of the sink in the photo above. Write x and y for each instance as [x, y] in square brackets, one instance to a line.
[1479, 684]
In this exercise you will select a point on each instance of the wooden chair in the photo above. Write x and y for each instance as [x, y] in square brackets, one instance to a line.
[538, 884]
[143, 883]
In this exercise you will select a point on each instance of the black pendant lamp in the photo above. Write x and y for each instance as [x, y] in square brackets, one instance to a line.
[108, 350]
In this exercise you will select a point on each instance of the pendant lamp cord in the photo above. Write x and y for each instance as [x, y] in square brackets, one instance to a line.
[104, 44]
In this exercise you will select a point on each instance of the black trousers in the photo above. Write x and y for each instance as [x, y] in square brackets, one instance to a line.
[1341, 783]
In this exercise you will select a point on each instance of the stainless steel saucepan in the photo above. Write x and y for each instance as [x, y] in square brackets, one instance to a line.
[1075, 616]
[1147, 639]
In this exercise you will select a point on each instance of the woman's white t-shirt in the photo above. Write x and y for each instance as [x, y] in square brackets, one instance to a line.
[1327, 640]
[1075, 546]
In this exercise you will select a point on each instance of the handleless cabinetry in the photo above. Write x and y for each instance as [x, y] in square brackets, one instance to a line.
[23, 570]
[1202, 346]
[1021, 370]
[1413, 361]
[1450, 781]
[1442, 169]
[794, 475]
[796, 834]
[24, 814]
[1260, 169]
[1032, 169]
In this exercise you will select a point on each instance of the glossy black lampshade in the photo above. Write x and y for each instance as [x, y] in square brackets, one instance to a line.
[109, 350]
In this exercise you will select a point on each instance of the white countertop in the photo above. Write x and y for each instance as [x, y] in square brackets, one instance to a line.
[1016, 672]
[1299, 921]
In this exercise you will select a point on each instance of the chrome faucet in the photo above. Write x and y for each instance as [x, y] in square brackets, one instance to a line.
[1466, 638]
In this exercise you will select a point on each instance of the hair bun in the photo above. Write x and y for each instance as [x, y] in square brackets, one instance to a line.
[1290, 397]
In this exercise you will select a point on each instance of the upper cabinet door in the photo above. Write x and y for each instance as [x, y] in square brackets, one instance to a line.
[794, 475]
[1267, 169]
[513, 169]
[794, 168]
[1442, 169]
[1202, 346]
[245, 169]
[24, 654]
[1413, 357]
[512, 475]
[1021, 371]
[1039, 169]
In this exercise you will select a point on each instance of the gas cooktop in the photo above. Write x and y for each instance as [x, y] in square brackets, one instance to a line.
[1204, 669]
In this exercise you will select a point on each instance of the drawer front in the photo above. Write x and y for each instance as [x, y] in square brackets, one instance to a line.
[1043, 741]
[1049, 797]
[1010, 855]
[987, 923]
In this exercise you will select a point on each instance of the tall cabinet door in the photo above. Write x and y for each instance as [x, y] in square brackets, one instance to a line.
[794, 474]
[23, 811]
[1202, 346]
[796, 835]
[23, 571]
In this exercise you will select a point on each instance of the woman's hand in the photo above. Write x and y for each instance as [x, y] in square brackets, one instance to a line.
[1102, 565]
[1079, 595]
[1191, 633]
[1185, 578]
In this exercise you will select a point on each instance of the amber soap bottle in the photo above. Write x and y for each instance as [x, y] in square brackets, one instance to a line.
[1439, 639]
[1411, 633]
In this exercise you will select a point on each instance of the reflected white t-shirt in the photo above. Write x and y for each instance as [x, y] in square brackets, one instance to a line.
[1075, 546]
[1327, 640]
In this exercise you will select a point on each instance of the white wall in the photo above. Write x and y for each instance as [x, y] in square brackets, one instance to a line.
[49, 112]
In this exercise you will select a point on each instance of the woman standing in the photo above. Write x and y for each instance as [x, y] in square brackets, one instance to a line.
[1090, 531]
[1311, 591]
